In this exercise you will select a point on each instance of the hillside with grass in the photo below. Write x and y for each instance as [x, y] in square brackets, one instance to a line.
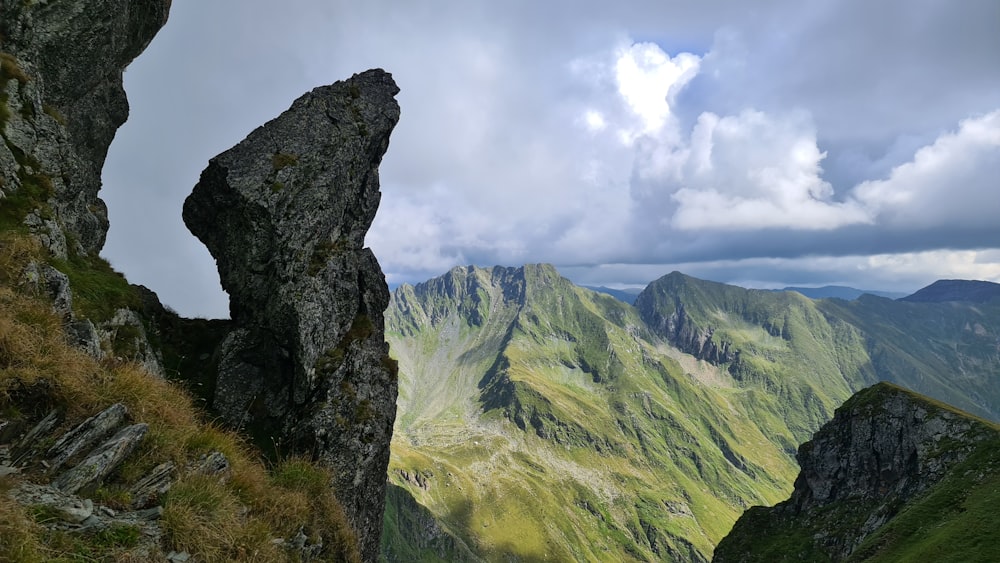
[235, 515]
[894, 476]
[539, 419]
[798, 346]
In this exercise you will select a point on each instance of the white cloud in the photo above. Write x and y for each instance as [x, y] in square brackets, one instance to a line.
[744, 172]
[954, 180]
[648, 81]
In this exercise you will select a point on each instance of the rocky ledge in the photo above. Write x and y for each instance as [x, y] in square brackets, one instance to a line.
[885, 450]
[284, 213]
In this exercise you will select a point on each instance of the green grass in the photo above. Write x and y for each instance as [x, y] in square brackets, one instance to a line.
[98, 290]
[613, 430]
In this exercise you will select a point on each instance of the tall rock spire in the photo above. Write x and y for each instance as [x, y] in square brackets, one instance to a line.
[285, 214]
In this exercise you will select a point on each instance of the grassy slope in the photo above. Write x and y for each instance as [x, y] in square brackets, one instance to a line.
[943, 350]
[623, 452]
[608, 411]
[232, 520]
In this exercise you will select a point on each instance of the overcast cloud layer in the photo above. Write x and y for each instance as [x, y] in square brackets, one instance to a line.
[768, 143]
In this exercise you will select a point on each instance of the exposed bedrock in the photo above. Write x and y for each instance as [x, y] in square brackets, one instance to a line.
[61, 88]
[285, 214]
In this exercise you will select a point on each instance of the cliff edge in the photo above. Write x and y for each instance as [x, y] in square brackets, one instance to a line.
[894, 473]
[61, 102]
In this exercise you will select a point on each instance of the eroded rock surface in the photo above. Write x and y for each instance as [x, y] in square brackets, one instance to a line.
[285, 213]
[884, 448]
[61, 85]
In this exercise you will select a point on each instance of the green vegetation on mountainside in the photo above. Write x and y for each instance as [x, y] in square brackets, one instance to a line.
[820, 351]
[544, 421]
[944, 350]
[777, 342]
[952, 520]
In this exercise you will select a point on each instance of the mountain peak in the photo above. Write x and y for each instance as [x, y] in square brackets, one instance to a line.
[973, 291]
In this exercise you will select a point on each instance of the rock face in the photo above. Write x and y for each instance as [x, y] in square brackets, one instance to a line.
[285, 213]
[884, 448]
[61, 88]
[660, 305]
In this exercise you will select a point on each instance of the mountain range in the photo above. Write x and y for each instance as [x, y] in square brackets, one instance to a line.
[541, 420]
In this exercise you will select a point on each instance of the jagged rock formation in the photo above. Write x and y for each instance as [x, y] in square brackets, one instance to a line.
[61, 85]
[883, 451]
[61, 102]
[661, 306]
[285, 213]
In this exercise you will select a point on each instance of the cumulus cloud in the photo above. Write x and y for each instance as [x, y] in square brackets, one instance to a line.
[953, 180]
[649, 80]
[748, 171]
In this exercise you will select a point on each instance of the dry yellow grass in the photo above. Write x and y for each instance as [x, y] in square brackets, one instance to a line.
[19, 534]
[236, 518]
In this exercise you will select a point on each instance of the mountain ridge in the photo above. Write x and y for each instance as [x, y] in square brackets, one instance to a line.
[973, 291]
[867, 479]
[554, 369]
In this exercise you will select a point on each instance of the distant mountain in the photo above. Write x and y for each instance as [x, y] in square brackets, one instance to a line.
[538, 419]
[626, 295]
[969, 291]
[894, 476]
[840, 292]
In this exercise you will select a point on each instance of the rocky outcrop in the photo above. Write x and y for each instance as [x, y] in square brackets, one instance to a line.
[884, 448]
[285, 214]
[61, 482]
[665, 314]
[61, 101]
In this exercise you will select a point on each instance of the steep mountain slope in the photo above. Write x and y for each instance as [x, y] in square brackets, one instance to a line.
[820, 351]
[894, 476]
[949, 350]
[778, 343]
[541, 420]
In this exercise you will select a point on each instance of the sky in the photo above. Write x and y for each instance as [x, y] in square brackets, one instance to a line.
[765, 144]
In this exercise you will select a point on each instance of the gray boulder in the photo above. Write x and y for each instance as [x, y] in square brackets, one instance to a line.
[285, 214]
